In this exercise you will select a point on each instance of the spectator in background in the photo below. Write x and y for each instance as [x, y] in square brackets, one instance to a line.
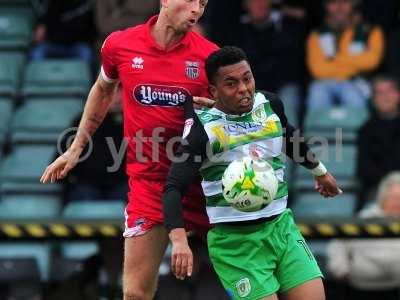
[91, 179]
[65, 30]
[112, 15]
[371, 266]
[379, 138]
[274, 43]
[339, 54]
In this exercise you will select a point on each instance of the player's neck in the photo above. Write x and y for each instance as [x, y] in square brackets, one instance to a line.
[164, 34]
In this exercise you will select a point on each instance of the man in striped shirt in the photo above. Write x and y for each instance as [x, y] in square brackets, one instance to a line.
[255, 254]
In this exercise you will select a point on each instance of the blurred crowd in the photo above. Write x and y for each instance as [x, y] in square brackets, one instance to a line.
[314, 54]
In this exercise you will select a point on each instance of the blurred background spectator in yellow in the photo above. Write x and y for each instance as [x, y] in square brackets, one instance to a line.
[339, 54]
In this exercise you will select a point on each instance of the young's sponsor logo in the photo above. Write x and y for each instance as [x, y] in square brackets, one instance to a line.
[160, 95]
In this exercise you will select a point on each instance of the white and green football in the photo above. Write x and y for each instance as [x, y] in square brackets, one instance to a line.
[249, 185]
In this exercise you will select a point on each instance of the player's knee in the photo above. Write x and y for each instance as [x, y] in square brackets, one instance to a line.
[137, 294]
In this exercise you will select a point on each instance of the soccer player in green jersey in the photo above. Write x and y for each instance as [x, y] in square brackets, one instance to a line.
[260, 254]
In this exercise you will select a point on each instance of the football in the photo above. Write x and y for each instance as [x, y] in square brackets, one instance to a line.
[249, 185]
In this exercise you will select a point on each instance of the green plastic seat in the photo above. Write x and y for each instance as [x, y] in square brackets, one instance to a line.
[15, 30]
[11, 67]
[95, 209]
[313, 205]
[32, 188]
[6, 106]
[42, 121]
[79, 250]
[86, 210]
[57, 78]
[40, 252]
[299, 185]
[33, 207]
[26, 163]
[325, 122]
[341, 162]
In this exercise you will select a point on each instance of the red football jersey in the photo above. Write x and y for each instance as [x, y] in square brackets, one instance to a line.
[155, 84]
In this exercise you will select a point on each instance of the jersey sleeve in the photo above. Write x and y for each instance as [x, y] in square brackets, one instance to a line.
[184, 169]
[295, 146]
[109, 70]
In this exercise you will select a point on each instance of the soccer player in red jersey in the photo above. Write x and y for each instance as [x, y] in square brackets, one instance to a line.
[160, 65]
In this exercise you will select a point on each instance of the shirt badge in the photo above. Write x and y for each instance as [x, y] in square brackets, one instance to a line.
[192, 69]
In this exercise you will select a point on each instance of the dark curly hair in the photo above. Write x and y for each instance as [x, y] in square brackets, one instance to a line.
[228, 55]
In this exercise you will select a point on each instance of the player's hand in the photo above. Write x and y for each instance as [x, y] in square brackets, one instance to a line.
[182, 256]
[326, 185]
[200, 102]
[61, 166]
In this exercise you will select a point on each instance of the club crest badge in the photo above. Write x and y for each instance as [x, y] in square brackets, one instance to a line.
[192, 69]
[243, 287]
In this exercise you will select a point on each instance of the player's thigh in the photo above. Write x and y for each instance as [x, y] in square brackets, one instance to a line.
[244, 265]
[297, 264]
[310, 290]
[142, 258]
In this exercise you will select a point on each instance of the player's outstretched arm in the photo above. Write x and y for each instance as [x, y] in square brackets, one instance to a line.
[96, 108]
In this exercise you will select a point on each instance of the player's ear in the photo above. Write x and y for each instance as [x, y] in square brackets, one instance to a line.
[213, 91]
[163, 3]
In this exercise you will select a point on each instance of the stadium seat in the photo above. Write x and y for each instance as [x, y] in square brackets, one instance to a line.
[63, 268]
[89, 210]
[292, 115]
[18, 270]
[15, 30]
[96, 209]
[23, 188]
[324, 122]
[313, 205]
[28, 126]
[30, 207]
[40, 252]
[341, 162]
[11, 69]
[25, 164]
[300, 185]
[57, 78]
[5, 116]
